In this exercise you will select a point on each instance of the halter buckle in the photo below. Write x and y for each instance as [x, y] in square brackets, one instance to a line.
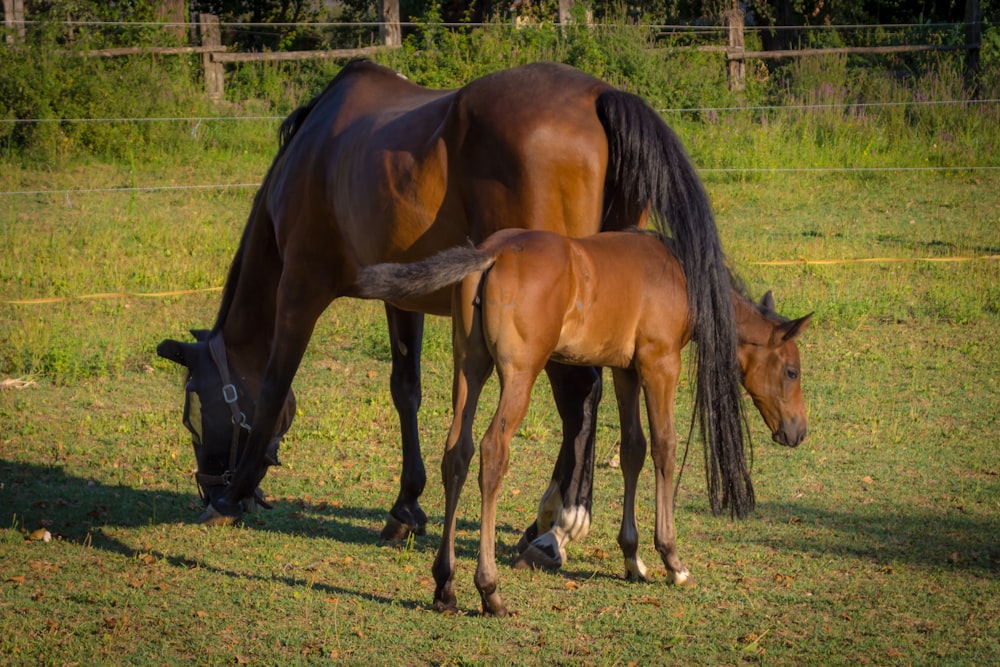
[229, 393]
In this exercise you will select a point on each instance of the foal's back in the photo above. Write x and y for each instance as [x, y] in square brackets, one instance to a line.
[590, 301]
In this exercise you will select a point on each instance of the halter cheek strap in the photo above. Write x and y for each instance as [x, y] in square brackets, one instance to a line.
[217, 348]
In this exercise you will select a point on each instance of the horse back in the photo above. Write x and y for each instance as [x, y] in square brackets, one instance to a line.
[379, 169]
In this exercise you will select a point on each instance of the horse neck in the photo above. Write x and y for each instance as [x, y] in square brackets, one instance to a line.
[751, 327]
[246, 316]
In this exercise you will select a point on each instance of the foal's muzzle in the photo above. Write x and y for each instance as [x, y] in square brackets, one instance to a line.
[790, 433]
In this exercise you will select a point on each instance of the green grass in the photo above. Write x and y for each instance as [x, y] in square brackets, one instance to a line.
[873, 543]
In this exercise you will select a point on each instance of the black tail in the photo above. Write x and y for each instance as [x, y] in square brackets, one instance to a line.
[400, 281]
[648, 166]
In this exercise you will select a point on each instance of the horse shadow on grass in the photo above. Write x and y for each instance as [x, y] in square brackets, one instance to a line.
[79, 510]
[82, 511]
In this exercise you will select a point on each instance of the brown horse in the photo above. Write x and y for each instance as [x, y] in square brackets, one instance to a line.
[618, 300]
[378, 169]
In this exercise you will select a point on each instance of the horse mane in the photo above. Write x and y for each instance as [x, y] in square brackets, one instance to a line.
[286, 132]
[649, 168]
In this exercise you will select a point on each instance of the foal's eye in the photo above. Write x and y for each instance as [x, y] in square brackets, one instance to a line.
[792, 373]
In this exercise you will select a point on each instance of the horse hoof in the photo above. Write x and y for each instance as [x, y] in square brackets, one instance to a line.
[636, 570]
[213, 517]
[395, 530]
[530, 535]
[445, 607]
[535, 558]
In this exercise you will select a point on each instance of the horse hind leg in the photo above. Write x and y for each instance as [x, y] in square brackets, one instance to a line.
[515, 396]
[564, 511]
[633, 454]
[405, 339]
[472, 368]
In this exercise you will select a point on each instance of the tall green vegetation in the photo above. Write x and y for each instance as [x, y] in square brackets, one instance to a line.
[834, 112]
[45, 84]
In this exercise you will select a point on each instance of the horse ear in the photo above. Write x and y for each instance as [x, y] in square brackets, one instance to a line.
[767, 302]
[200, 335]
[173, 350]
[790, 330]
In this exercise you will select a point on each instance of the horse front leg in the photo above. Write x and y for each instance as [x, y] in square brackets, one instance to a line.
[406, 330]
[632, 454]
[660, 384]
[297, 310]
[564, 510]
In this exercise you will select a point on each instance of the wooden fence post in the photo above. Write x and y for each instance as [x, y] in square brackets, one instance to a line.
[175, 13]
[735, 50]
[388, 16]
[208, 29]
[973, 41]
[13, 19]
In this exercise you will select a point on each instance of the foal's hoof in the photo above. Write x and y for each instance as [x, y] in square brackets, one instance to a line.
[213, 517]
[682, 578]
[492, 606]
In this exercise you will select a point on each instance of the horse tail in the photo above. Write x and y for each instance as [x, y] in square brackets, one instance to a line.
[648, 169]
[399, 281]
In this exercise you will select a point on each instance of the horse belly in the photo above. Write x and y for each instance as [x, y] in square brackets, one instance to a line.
[596, 336]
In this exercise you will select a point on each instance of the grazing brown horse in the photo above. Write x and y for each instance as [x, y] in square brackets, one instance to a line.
[619, 300]
[378, 169]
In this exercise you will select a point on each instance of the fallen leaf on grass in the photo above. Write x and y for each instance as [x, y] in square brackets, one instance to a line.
[18, 579]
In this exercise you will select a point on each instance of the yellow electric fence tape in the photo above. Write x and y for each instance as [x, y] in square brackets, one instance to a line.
[777, 262]
[110, 295]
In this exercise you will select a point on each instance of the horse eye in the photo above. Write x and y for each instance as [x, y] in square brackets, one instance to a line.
[792, 373]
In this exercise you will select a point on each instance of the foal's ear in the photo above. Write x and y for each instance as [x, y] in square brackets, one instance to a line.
[767, 303]
[200, 335]
[790, 330]
[173, 350]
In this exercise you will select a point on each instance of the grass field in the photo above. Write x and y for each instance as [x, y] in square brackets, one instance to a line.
[875, 542]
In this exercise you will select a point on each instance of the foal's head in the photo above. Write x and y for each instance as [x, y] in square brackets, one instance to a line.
[769, 361]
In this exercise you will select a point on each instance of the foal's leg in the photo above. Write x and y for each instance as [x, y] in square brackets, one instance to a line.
[660, 384]
[564, 510]
[633, 454]
[494, 455]
[473, 365]
[406, 330]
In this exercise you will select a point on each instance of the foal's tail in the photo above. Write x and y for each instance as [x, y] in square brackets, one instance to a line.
[648, 167]
[400, 281]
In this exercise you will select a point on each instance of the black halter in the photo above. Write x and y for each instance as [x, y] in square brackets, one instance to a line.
[230, 395]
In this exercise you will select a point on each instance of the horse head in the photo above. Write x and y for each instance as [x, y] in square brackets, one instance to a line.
[218, 412]
[769, 361]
